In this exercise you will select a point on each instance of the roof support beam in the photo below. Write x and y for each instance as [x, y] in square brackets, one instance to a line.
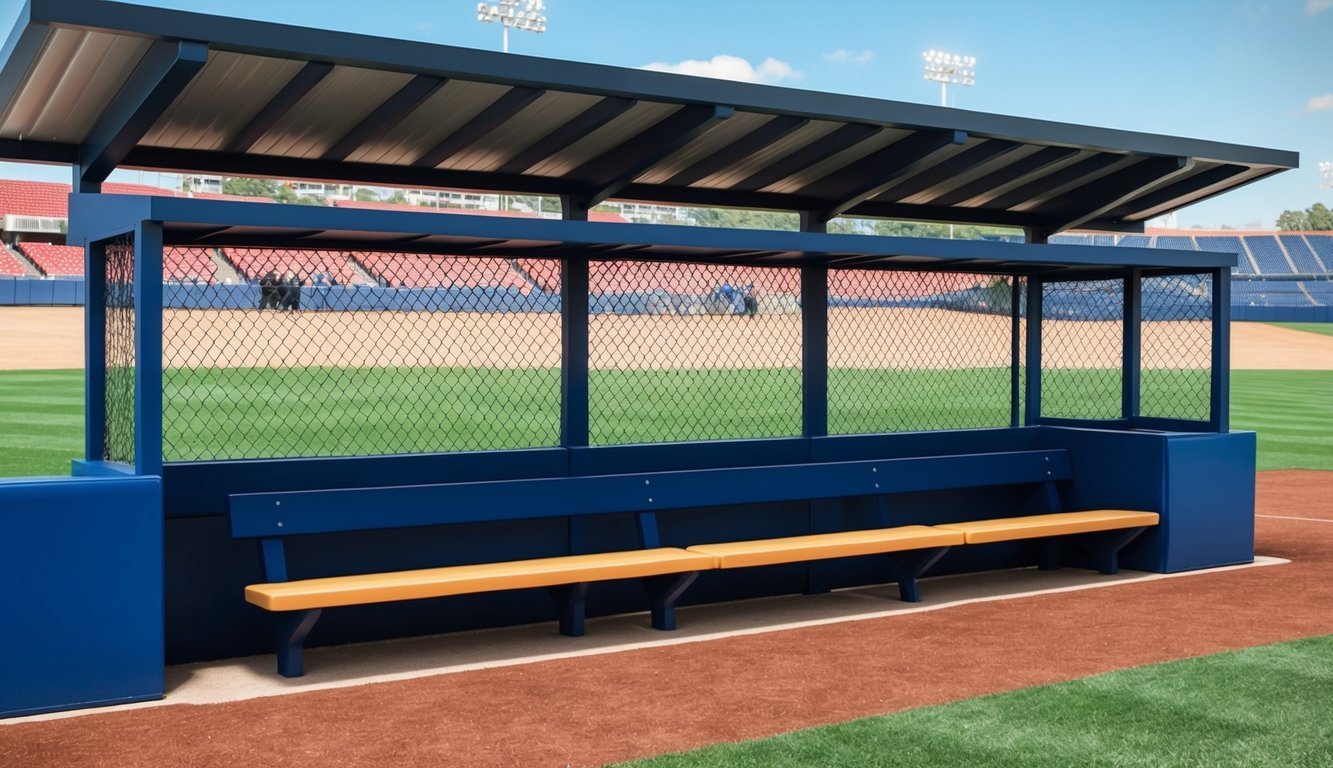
[586, 122]
[19, 54]
[752, 142]
[1199, 186]
[1113, 191]
[385, 116]
[159, 78]
[1051, 183]
[475, 129]
[880, 170]
[302, 83]
[612, 171]
[1002, 177]
[816, 151]
[950, 169]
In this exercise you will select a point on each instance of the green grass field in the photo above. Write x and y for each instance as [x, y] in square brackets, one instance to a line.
[1323, 328]
[235, 413]
[1257, 708]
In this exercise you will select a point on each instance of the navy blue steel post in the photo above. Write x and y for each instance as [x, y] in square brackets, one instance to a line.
[148, 348]
[1132, 346]
[574, 337]
[94, 351]
[1015, 353]
[1220, 391]
[814, 338]
[1032, 405]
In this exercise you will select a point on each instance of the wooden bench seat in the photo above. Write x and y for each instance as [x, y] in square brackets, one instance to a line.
[1100, 533]
[666, 572]
[911, 550]
[362, 589]
[1056, 524]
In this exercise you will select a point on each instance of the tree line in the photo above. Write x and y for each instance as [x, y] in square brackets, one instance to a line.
[1316, 218]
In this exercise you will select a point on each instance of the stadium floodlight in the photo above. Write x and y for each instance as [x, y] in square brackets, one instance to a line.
[1326, 168]
[516, 14]
[949, 69]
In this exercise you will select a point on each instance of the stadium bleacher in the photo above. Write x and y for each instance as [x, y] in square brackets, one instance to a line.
[54, 260]
[1307, 263]
[1268, 255]
[254, 263]
[411, 270]
[1322, 245]
[1227, 244]
[9, 264]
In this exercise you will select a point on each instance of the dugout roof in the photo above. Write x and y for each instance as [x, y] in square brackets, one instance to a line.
[101, 85]
[218, 223]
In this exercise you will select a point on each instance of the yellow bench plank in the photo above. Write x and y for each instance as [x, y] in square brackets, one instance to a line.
[467, 579]
[821, 546]
[1058, 524]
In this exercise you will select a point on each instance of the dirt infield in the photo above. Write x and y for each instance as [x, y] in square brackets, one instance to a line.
[596, 709]
[52, 337]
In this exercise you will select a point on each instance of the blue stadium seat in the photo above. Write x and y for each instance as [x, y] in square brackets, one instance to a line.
[1268, 256]
[1227, 244]
[1307, 263]
[1322, 245]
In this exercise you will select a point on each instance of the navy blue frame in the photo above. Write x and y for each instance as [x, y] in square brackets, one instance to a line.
[159, 221]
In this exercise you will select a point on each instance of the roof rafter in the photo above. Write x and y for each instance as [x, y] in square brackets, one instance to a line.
[492, 117]
[165, 70]
[268, 116]
[384, 117]
[617, 168]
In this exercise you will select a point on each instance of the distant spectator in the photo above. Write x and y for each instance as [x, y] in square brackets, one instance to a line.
[291, 292]
[268, 290]
[750, 302]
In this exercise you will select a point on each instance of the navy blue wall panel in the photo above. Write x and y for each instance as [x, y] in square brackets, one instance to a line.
[1210, 501]
[6, 291]
[81, 561]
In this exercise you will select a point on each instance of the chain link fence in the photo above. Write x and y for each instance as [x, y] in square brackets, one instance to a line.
[692, 352]
[118, 431]
[1176, 347]
[1082, 349]
[916, 351]
[302, 353]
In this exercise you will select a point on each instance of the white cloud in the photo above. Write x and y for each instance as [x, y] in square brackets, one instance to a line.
[1315, 7]
[863, 58]
[1319, 103]
[727, 67]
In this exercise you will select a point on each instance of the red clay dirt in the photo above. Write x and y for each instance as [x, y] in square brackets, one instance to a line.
[598, 709]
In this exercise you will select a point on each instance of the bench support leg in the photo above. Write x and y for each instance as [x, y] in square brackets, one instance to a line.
[1048, 554]
[664, 591]
[1104, 547]
[908, 565]
[571, 601]
[293, 626]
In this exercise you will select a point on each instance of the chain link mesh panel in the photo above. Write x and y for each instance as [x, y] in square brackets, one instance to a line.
[692, 352]
[294, 353]
[1082, 340]
[118, 435]
[1176, 347]
[916, 351]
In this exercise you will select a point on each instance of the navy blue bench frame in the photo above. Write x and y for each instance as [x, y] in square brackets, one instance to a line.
[273, 516]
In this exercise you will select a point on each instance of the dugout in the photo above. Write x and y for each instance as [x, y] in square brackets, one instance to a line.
[476, 347]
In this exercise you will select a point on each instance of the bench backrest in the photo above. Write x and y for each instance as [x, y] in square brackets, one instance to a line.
[293, 513]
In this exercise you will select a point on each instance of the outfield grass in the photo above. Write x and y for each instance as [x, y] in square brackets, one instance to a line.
[1258, 707]
[234, 413]
[1324, 328]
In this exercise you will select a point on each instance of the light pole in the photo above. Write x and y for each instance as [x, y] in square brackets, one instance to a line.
[518, 14]
[945, 68]
[1326, 168]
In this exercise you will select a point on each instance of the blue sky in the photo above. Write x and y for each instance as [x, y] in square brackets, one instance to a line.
[1243, 71]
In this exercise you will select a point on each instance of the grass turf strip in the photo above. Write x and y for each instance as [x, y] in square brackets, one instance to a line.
[1257, 707]
[254, 413]
[1324, 328]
